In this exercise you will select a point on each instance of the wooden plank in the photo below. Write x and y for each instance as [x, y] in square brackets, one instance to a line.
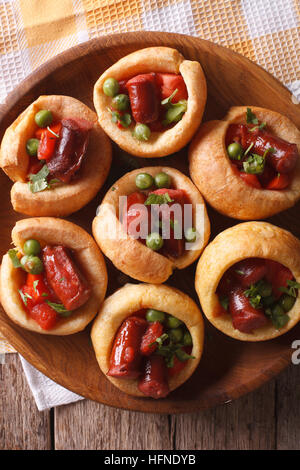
[87, 425]
[247, 423]
[288, 410]
[22, 426]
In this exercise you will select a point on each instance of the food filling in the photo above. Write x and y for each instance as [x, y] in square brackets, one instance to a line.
[155, 215]
[149, 102]
[257, 292]
[150, 346]
[54, 286]
[261, 159]
[56, 151]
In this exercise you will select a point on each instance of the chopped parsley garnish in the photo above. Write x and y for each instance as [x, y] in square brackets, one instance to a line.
[59, 308]
[13, 254]
[158, 199]
[118, 118]
[251, 117]
[170, 350]
[292, 289]
[38, 182]
[225, 302]
[255, 164]
[167, 101]
[24, 297]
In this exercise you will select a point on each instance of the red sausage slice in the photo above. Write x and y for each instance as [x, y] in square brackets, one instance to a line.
[64, 277]
[250, 271]
[70, 149]
[154, 331]
[245, 318]
[154, 382]
[144, 98]
[284, 157]
[277, 275]
[125, 359]
[44, 315]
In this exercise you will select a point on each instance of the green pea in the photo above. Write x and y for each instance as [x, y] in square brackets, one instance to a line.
[264, 289]
[190, 235]
[120, 102]
[154, 241]
[32, 146]
[173, 322]
[32, 264]
[175, 335]
[162, 180]
[31, 247]
[142, 132]
[155, 315]
[43, 118]
[187, 339]
[111, 87]
[235, 151]
[287, 302]
[144, 181]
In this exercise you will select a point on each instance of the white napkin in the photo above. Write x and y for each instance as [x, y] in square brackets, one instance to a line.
[47, 394]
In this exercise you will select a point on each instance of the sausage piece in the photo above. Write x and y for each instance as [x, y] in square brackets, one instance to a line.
[126, 359]
[245, 318]
[144, 98]
[70, 149]
[284, 157]
[64, 277]
[154, 331]
[250, 271]
[154, 382]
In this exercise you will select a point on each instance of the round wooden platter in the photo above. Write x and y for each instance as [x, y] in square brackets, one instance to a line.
[228, 368]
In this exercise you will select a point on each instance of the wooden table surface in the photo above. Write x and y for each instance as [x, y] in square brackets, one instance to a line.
[268, 418]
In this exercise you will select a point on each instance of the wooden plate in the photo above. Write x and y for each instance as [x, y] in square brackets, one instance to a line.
[228, 368]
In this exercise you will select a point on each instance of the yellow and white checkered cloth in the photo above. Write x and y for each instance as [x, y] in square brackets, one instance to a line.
[33, 31]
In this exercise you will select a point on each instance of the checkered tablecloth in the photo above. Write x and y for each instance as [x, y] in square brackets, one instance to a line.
[33, 31]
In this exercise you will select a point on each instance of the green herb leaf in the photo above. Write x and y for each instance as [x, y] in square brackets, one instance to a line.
[250, 117]
[38, 182]
[24, 297]
[255, 164]
[158, 199]
[14, 258]
[167, 101]
[35, 283]
[292, 289]
[59, 308]
[225, 302]
[175, 112]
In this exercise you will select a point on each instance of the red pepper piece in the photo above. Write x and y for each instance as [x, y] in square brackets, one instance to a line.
[179, 365]
[168, 83]
[44, 315]
[281, 181]
[277, 275]
[144, 98]
[132, 214]
[40, 291]
[154, 331]
[126, 359]
[252, 180]
[154, 382]
[267, 176]
[47, 141]
[245, 318]
[253, 269]
[64, 277]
